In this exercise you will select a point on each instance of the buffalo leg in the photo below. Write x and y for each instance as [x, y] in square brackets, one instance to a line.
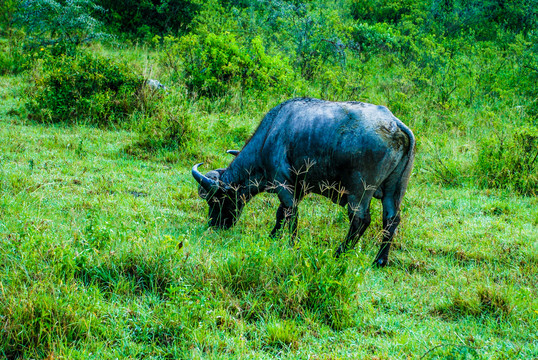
[293, 220]
[281, 219]
[391, 220]
[359, 220]
[287, 213]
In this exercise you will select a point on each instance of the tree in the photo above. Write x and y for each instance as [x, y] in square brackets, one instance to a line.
[65, 24]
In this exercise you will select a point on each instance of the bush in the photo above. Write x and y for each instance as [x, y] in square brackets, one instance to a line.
[84, 88]
[213, 63]
[373, 39]
[510, 162]
[142, 18]
[164, 123]
[313, 35]
[525, 51]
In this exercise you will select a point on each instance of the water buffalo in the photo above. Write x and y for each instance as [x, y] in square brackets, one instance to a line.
[346, 151]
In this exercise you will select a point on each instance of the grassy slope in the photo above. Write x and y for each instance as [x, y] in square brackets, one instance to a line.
[103, 253]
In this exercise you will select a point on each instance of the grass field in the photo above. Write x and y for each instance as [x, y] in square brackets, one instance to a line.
[106, 254]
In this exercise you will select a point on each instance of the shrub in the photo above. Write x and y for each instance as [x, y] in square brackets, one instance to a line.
[446, 170]
[336, 84]
[510, 162]
[163, 122]
[84, 88]
[525, 51]
[313, 35]
[373, 39]
[213, 63]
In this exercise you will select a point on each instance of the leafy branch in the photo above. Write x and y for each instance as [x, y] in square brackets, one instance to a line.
[68, 23]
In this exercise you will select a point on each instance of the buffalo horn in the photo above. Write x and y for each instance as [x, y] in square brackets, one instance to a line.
[207, 183]
[233, 152]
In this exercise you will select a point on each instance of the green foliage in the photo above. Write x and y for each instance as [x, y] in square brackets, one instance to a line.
[380, 11]
[510, 162]
[524, 50]
[146, 18]
[214, 17]
[83, 89]
[336, 84]
[373, 39]
[314, 34]
[453, 18]
[64, 25]
[213, 64]
[447, 171]
[8, 9]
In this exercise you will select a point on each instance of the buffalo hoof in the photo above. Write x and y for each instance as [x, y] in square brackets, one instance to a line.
[380, 263]
[339, 252]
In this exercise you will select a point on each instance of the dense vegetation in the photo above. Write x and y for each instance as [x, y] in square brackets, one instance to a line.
[104, 247]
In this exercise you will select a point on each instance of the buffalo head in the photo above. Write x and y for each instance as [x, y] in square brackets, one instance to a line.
[225, 201]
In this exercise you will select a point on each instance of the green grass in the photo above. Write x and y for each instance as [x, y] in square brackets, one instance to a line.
[105, 252]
